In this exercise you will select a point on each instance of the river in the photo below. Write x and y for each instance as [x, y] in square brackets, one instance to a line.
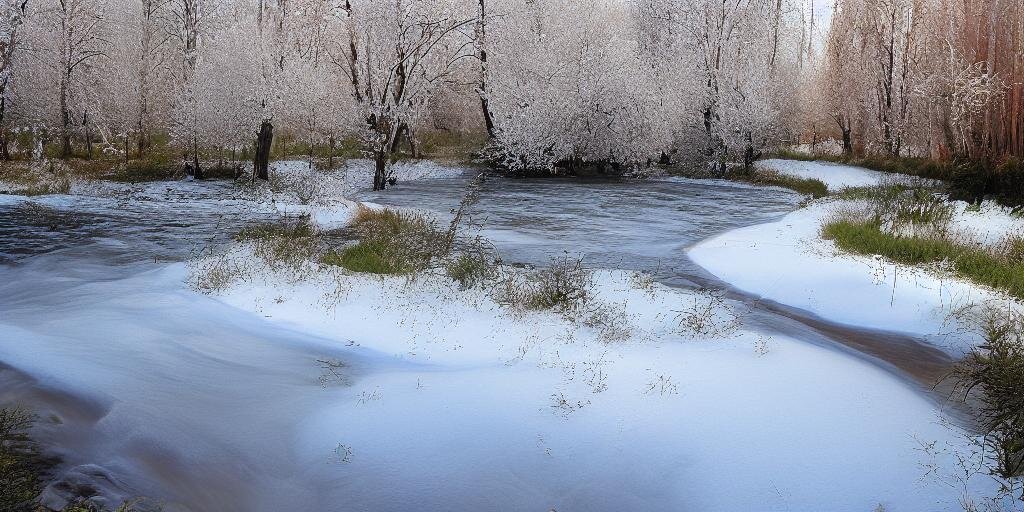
[146, 388]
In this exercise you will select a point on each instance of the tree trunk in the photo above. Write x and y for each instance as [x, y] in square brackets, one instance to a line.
[88, 135]
[330, 156]
[749, 155]
[196, 169]
[484, 103]
[65, 121]
[261, 163]
[379, 174]
[311, 153]
[847, 142]
[4, 150]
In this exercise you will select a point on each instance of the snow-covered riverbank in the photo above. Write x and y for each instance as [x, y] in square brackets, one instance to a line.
[787, 261]
[547, 404]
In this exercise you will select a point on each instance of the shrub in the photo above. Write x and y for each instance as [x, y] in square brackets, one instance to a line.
[289, 243]
[152, 167]
[471, 269]
[34, 178]
[807, 186]
[995, 370]
[215, 274]
[56, 186]
[564, 287]
[20, 463]
[392, 242]
[710, 316]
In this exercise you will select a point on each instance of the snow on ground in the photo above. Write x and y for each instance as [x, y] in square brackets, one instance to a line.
[987, 223]
[361, 170]
[834, 176]
[546, 413]
[296, 189]
[787, 261]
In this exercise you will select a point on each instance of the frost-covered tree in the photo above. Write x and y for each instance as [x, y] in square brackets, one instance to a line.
[190, 19]
[11, 17]
[67, 41]
[397, 54]
[926, 77]
[568, 87]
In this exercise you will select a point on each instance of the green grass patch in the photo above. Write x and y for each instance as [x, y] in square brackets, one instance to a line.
[976, 264]
[365, 257]
[806, 186]
[392, 242]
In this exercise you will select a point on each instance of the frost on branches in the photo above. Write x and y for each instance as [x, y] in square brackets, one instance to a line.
[551, 86]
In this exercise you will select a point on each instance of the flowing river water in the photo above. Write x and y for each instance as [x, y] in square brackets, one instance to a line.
[146, 388]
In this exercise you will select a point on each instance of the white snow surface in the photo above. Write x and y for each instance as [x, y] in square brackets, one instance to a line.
[787, 261]
[988, 223]
[662, 420]
[361, 170]
[834, 176]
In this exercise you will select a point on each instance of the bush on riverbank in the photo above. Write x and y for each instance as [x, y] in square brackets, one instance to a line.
[289, 242]
[806, 186]
[391, 242]
[564, 286]
[21, 466]
[34, 178]
[995, 371]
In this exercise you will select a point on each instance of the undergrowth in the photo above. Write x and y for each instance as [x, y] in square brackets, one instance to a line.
[807, 186]
[391, 242]
[911, 226]
[968, 180]
[34, 178]
[21, 467]
[996, 370]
